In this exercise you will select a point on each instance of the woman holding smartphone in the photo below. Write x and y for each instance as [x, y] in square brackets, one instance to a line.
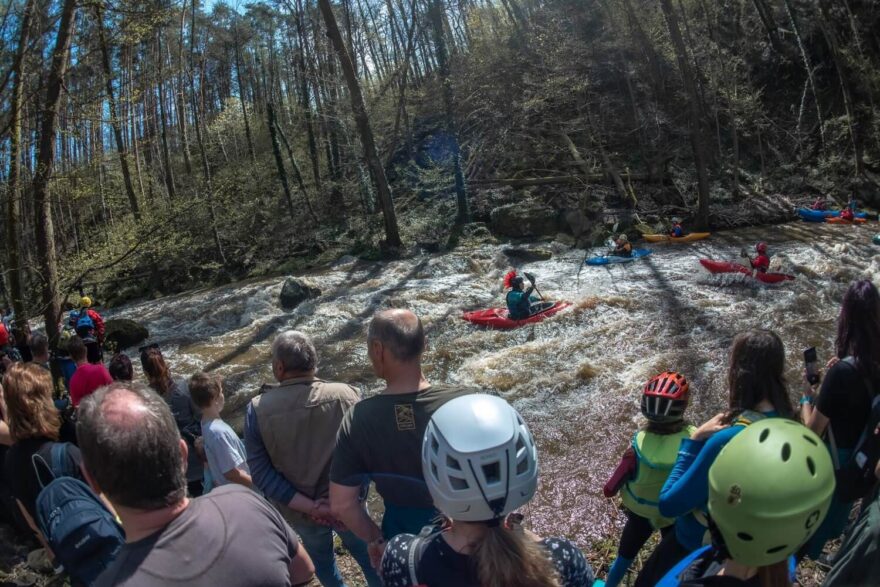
[843, 403]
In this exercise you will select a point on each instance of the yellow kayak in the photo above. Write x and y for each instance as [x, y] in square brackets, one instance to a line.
[665, 238]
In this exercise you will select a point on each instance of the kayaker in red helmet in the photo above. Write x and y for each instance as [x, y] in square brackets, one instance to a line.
[761, 263]
[519, 299]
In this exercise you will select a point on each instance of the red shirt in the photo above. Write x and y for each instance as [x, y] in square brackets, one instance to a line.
[86, 379]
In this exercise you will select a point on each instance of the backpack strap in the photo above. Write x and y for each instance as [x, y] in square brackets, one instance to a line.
[56, 465]
[416, 549]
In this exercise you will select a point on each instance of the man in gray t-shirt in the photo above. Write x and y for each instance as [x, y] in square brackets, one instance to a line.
[230, 536]
[133, 454]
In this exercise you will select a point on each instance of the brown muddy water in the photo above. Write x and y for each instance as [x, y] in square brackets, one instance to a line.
[576, 377]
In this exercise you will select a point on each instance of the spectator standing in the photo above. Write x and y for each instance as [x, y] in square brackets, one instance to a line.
[34, 426]
[120, 368]
[290, 434]
[133, 454]
[480, 464]
[88, 376]
[224, 450]
[187, 417]
[39, 346]
[844, 401]
[381, 436]
[757, 390]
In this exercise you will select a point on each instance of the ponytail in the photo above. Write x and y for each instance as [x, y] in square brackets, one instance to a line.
[510, 558]
[775, 575]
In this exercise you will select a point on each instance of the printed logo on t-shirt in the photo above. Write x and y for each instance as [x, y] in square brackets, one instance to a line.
[406, 418]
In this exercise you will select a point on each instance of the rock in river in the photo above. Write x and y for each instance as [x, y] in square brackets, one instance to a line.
[296, 292]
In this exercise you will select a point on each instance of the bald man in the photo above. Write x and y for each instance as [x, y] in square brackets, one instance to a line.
[133, 454]
[380, 438]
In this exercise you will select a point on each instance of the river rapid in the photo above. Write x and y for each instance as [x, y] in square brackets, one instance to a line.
[576, 377]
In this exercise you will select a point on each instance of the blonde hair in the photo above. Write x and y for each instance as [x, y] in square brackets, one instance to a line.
[29, 406]
[509, 558]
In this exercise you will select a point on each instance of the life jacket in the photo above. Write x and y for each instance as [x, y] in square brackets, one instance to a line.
[656, 454]
[517, 305]
[677, 230]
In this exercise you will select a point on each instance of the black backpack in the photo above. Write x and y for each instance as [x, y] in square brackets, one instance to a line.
[856, 477]
[83, 534]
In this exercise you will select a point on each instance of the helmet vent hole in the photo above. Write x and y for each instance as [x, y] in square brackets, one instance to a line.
[434, 471]
[810, 440]
[435, 446]
[811, 466]
[452, 463]
[458, 483]
[764, 434]
[786, 452]
[522, 467]
[492, 472]
[776, 549]
[745, 537]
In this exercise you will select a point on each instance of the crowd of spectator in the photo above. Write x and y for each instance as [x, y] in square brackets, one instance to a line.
[738, 500]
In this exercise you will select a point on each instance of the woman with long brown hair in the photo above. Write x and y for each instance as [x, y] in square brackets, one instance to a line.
[187, 417]
[756, 390]
[480, 464]
[35, 427]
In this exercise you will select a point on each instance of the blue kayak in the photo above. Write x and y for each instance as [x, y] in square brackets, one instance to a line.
[611, 259]
[808, 215]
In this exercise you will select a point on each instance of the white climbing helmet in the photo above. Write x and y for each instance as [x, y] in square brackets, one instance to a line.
[479, 459]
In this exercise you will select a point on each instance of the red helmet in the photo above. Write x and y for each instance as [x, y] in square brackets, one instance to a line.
[4, 335]
[761, 248]
[665, 397]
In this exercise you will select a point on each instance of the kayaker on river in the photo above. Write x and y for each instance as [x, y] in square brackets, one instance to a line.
[677, 230]
[520, 303]
[819, 204]
[623, 248]
[761, 263]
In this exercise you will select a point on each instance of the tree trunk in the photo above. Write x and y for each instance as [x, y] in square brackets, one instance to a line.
[45, 160]
[163, 120]
[461, 197]
[13, 206]
[696, 131]
[808, 67]
[241, 93]
[114, 118]
[279, 160]
[371, 155]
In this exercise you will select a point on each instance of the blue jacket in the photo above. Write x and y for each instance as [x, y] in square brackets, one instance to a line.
[266, 477]
[687, 488]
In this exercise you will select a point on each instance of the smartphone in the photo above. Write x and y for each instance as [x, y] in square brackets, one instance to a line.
[812, 363]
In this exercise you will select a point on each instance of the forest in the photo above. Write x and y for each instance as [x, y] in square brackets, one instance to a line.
[151, 146]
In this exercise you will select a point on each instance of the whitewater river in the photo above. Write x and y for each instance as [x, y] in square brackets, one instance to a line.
[576, 377]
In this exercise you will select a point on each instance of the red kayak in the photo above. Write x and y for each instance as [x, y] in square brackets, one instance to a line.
[498, 317]
[728, 267]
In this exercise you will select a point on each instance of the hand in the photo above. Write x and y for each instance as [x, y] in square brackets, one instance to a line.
[705, 431]
[376, 549]
[810, 388]
[831, 362]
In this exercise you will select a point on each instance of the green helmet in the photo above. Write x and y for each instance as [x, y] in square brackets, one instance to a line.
[769, 490]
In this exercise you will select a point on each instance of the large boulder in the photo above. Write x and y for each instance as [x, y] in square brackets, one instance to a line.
[124, 333]
[296, 292]
[527, 219]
